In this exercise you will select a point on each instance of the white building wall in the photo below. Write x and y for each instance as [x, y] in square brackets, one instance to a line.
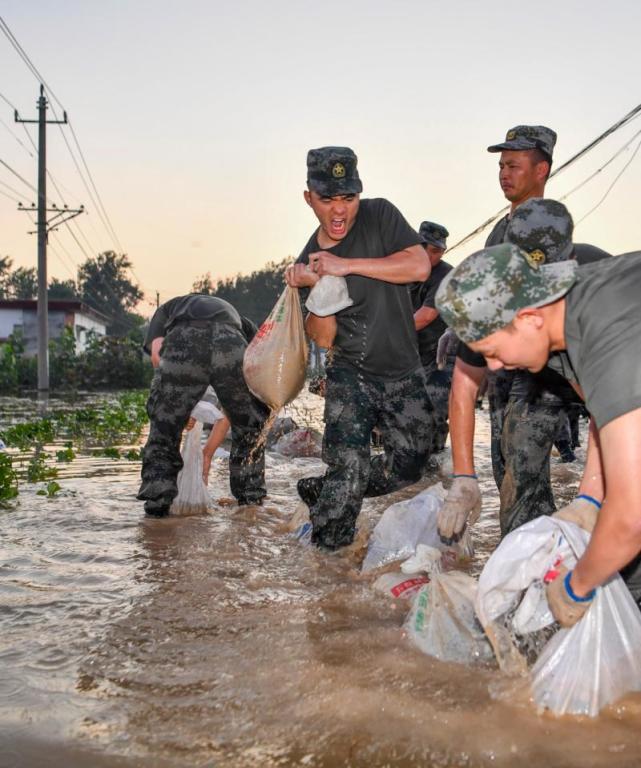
[9, 319]
[82, 326]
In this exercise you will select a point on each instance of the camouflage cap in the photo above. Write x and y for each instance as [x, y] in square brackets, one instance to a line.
[486, 290]
[528, 137]
[543, 228]
[332, 171]
[433, 234]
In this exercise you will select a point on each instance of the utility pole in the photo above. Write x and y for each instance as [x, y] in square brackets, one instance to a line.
[44, 228]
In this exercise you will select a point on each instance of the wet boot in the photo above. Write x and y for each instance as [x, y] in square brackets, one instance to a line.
[565, 451]
[309, 489]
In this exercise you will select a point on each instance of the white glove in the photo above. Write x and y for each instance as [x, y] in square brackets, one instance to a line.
[445, 343]
[328, 296]
[583, 511]
[462, 505]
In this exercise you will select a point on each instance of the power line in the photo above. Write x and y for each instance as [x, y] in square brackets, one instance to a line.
[9, 187]
[609, 189]
[15, 173]
[11, 197]
[17, 138]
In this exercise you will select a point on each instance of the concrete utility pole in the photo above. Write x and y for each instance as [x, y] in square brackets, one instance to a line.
[63, 214]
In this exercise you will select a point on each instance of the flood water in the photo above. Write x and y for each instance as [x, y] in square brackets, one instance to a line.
[221, 641]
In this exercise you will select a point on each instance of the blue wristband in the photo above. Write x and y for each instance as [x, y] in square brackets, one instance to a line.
[570, 591]
[591, 499]
[472, 476]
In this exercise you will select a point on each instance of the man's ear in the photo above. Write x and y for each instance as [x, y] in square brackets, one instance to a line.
[529, 316]
[308, 197]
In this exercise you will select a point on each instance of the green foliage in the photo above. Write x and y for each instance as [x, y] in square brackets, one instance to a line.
[110, 452]
[67, 453]
[8, 479]
[8, 369]
[23, 435]
[50, 490]
[22, 283]
[253, 295]
[64, 371]
[62, 289]
[133, 454]
[104, 284]
[37, 469]
[114, 363]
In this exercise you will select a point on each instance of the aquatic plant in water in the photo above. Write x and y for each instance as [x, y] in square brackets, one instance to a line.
[8, 479]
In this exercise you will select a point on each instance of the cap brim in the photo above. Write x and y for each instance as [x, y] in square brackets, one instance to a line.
[335, 188]
[516, 145]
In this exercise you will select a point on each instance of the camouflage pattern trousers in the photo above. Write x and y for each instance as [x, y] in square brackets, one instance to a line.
[354, 405]
[193, 356]
[438, 391]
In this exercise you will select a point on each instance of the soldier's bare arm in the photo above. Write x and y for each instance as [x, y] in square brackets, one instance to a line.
[156, 344]
[321, 330]
[616, 539]
[466, 382]
[407, 266]
[424, 316]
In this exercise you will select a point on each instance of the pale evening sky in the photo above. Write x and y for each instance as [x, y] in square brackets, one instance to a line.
[195, 118]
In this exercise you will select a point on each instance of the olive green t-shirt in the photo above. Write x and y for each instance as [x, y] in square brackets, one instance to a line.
[603, 336]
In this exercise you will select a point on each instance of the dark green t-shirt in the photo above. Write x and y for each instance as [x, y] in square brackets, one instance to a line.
[603, 336]
[423, 296]
[376, 334]
[194, 306]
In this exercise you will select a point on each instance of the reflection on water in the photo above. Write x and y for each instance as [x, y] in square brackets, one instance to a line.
[219, 640]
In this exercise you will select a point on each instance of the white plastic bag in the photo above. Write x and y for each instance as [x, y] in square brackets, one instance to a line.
[442, 622]
[328, 296]
[581, 669]
[408, 523]
[192, 498]
[206, 412]
[300, 443]
[400, 585]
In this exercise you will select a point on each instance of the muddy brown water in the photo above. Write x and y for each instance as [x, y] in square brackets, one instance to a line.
[221, 641]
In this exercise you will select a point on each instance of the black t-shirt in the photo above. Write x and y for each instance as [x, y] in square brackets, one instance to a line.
[423, 296]
[547, 385]
[376, 334]
[194, 306]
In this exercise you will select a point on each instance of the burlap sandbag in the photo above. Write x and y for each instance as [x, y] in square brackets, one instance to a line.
[276, 359]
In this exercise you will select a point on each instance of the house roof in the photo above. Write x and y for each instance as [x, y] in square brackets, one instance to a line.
[55, 305]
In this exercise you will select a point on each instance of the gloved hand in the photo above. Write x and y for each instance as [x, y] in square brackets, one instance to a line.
[462, 505]
[445, 343]
[566, 607]
[583, 511]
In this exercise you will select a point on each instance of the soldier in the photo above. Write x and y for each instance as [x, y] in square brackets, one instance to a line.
[525, 410]
[430, 327]
[375, 378]
[195, 341]
[517, 312]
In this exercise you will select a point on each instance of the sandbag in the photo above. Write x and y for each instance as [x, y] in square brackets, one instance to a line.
[193, 497]
[300, 443]
[400, 585]
[329, 296]
[275, 361]
[579, 670]
[442, 622]
[406, 524]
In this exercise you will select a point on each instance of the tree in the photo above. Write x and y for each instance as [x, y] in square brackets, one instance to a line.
[253, 295]
[104, 284]
[5, 271]
[23, 283]
[63, 289]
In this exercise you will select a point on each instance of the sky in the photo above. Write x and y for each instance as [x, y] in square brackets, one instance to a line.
[195, 118]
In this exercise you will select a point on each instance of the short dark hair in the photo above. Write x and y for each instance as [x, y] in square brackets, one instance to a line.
[539, 156]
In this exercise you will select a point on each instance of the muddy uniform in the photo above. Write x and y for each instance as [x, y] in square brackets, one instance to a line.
[534, 412]
[375, 379]
[204, 343]
[438, 382]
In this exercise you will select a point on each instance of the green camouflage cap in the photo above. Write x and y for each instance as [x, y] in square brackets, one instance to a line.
[523, 137]
[543, 228]
[433, 234]
[332, 171]
[486, 290]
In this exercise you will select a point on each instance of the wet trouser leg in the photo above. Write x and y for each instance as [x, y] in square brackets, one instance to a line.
[563, 441]
[178, 383]
[498, 394]
[438, 391]
[246, 414]
[529, 430]
[574, 413]
[350, 416]
[406, 422]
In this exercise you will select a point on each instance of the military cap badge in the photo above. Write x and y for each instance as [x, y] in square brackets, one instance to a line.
[338, 171]
[535, 258]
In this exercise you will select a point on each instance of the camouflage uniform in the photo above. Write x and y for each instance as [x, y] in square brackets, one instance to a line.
[354, 405]
[194, 356]
[484, 294]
